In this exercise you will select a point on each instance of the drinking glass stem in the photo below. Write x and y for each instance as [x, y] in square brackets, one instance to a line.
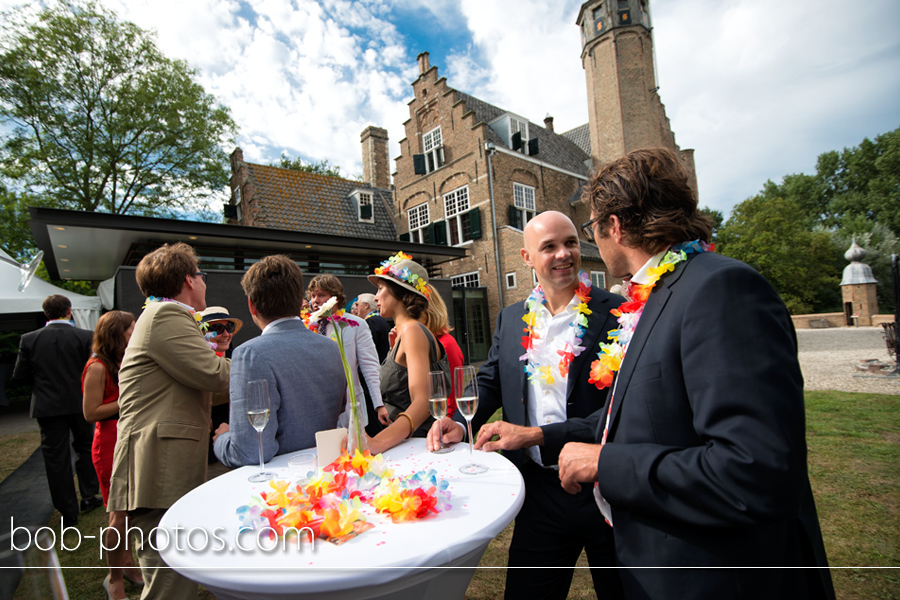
[469, 425]
[259, 437]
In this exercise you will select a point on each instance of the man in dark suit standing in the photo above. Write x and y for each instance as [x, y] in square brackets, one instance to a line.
[378, 325]
[699, 457]
[546, 382]
[55, 356]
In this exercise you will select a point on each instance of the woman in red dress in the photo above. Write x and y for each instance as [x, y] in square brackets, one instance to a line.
[100, 389]
[437, 321]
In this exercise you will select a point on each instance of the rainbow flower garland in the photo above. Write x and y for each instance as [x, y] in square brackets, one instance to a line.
[570, 349]
[330, 503]
[629, 312]
[389, 267]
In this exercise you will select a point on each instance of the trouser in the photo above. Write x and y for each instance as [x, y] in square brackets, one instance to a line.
[58, 461]
[550, 531]
[160, 580]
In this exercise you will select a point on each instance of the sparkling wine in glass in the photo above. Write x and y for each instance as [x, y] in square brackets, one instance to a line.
[466, 386]
[258, 413]
[437, 403]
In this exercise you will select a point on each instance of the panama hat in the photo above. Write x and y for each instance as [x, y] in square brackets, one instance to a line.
[405, 272]
[219, 313]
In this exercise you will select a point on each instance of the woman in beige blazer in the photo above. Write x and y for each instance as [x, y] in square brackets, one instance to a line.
[166, 378]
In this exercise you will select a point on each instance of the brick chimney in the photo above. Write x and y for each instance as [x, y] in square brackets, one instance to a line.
[424, 65]
[548, 123]
[376, 166]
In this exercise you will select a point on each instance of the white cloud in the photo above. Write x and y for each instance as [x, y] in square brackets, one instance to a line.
[759, 88]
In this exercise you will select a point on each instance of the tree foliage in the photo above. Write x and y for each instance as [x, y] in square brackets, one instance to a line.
[298, 164]
[799, 263]
[96, 118]
[796, 232]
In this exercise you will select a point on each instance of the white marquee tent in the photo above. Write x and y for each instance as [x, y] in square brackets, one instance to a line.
[85, 309]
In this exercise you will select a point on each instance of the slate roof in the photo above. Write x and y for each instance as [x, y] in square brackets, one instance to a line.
[553, 148]
[314, 203]
[580, 136]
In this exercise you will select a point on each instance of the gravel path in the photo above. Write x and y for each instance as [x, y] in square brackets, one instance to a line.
[829, 359]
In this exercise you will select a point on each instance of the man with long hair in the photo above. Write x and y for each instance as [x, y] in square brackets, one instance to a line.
[698, 458]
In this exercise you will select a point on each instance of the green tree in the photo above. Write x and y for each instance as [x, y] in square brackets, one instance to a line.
[800, 263]
[97, 119]
[717, 218]
[298, 164]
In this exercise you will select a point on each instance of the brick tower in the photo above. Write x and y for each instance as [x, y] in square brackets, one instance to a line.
[624, 109]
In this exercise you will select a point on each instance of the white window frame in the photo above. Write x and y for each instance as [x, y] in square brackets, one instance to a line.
[433, 148]
[361, 199]
[456, 205]
[598, 278]
[523, 198]
[471, 279]
[418, 219]
[517, 125]
[511, 281]
[237, 195]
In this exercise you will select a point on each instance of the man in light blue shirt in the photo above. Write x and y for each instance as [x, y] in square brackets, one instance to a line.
[304, 373]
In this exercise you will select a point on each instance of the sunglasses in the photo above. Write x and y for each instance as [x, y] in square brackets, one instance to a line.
[220, 328]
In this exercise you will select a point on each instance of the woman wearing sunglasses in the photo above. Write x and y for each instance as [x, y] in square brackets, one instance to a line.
[220, 329]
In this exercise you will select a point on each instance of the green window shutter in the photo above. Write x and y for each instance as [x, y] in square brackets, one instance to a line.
[419, 164]
[474, 217]
[365, 211]
[439, 232]
[404, 237]
[515, 217]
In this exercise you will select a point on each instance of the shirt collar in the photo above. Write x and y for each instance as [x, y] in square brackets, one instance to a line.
[60, 322]
[641, 276]
[268, 327]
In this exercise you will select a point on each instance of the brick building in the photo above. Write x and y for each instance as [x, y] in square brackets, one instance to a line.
[471, 174]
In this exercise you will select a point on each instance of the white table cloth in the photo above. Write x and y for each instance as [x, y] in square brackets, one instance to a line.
[433, 557]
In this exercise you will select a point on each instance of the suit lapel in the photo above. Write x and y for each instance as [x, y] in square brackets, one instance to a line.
[516, 410]
[652, 310]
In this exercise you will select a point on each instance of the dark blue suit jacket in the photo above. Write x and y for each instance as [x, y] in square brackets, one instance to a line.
[502, 381]
[705, 463]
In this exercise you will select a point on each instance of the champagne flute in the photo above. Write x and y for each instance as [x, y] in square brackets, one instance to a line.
[437, 403]
[258, 413]
[466, 386]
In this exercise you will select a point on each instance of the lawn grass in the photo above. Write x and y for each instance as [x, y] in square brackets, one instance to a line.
[854, 466]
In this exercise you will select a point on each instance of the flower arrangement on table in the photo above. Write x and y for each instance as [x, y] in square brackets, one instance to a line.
[356, 435]
[330, 503]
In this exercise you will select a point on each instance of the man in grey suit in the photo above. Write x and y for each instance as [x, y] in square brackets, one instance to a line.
[55, 356]
[305, 377]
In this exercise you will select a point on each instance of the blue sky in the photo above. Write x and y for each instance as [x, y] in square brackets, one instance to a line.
[758, 88]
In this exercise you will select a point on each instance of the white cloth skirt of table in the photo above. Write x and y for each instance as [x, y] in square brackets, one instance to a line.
[434, 557]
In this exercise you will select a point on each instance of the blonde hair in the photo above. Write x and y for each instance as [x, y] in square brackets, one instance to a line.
[435, 317]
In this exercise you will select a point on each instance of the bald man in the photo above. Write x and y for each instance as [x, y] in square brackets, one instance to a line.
[553, 527]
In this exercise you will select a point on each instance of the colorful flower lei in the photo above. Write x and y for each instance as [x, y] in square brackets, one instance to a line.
[629, 312]
[570, 349]
[390, 268]
[330, 503]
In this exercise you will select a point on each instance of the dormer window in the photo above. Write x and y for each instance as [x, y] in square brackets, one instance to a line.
[518, 134]
[365, 211]
[433, 157]
[514, 130]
